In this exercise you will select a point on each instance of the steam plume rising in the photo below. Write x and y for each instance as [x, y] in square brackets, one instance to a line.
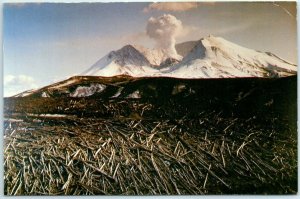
[164, 30]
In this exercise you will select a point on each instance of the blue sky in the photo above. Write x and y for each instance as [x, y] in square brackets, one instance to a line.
[44, 43]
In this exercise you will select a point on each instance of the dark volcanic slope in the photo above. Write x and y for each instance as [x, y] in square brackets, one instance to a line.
[174, 97]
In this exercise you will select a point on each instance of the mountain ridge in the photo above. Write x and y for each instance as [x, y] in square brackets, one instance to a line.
[125, 86]
[209, 57]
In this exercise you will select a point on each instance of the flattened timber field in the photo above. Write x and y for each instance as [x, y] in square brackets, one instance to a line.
[225, 136]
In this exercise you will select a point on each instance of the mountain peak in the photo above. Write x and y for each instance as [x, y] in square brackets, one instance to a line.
[128, 55]
[218, 42]
[210, 57]
[128, 47]
[212, 38]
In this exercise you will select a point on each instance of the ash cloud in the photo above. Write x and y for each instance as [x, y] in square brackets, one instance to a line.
[164, 30]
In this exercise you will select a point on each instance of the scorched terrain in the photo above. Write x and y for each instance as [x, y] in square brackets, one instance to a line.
[141, 135]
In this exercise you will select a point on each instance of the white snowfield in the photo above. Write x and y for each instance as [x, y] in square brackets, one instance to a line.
[212, 57]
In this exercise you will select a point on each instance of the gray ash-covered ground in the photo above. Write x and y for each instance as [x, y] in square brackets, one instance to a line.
[230, 136]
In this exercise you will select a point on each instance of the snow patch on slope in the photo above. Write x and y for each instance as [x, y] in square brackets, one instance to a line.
[118, 93]
[85, 91]
[44, 94]
[135, 95]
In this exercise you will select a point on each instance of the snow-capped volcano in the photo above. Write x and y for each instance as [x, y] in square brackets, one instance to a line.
[127, 60]
[211, 57]
[217, 57]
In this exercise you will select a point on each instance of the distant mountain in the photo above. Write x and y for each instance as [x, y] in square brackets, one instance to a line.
[210, 57]
[129, 60]
[215, 57]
